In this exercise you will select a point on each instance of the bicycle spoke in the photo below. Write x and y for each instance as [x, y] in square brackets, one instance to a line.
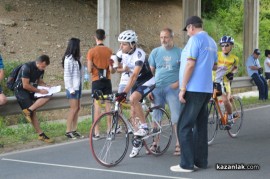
[212, 122]
[112, 145]
[238, 117]
[159, 120]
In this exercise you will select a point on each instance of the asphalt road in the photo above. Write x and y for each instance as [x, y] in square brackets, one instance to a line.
[74, 159]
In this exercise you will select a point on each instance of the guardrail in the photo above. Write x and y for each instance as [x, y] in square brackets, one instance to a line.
[59, 101]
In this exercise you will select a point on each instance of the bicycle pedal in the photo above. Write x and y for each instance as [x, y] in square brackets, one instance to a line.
[155, 130]
[227, 127]
[157, 149]
[222, 127]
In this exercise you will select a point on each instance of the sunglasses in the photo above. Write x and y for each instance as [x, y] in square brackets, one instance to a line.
[224, 45]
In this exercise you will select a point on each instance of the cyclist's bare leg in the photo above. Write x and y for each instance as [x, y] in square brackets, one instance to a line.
[109, 120]
[227, 103]
[96, 115]
[136, 107]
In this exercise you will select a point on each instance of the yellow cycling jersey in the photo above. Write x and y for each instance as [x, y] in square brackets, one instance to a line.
[229, 60]
[226, 61]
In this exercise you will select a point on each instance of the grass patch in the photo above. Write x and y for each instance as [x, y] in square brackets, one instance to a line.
[25, 133]
[9, 7]
[253, 102]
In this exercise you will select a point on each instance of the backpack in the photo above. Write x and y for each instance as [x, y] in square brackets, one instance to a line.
[12, 77]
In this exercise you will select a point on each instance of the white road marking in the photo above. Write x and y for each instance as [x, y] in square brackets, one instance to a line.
[94, 169]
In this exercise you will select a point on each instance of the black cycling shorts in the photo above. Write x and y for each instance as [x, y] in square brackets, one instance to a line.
[143, 90]
[103, 85]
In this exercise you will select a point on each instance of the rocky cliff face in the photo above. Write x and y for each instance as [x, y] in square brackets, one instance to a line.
[29, 28]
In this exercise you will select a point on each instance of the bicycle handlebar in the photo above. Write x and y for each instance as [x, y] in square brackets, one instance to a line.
[98, 95]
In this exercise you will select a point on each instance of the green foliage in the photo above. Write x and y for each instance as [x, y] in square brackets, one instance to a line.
[86, 85]
[9, 7]
[211, 7]
[264, 30]
[2, 122]
[227, 17]
[221, 23]
[9, 66]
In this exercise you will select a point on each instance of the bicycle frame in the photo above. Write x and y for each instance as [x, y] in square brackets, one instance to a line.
[218, 119]
[129, 125]
[119, 106]
[223, 117]
[114, 127]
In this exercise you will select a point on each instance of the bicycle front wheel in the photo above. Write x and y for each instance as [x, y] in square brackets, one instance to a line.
[212, 121]
[238, 114]
[160, 127]
[109, 139]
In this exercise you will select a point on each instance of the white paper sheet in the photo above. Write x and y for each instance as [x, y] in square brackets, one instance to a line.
[51, 90]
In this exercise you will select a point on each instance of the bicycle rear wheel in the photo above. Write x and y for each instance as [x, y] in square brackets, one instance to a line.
[109, 139]
[238, 113]
[163, 139]
[212, 121]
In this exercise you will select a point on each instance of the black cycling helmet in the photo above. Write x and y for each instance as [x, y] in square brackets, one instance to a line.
[226, 39]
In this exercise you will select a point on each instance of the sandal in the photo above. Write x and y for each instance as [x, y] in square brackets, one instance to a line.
[177, 150]
[153, 148]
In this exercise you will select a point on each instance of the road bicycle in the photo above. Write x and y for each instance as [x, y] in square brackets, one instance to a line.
[218, 119]
[114, 130]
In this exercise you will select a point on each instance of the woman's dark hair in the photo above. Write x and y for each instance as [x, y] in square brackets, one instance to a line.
[73, 49]
[267, 52]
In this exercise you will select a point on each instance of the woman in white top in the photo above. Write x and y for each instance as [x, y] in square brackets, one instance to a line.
[73, 73]
[267, 64]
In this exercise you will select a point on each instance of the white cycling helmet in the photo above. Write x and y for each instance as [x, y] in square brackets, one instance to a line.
[128, 36]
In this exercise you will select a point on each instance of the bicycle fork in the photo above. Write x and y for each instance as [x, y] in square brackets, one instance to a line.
[114, 127]
[223, 117]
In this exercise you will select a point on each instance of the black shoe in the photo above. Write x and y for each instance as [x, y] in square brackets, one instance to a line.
[77, 134]
[227, 127]
[95, 137]
[70, 135]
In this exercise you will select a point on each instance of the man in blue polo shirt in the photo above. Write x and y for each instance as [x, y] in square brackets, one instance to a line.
[254, 70]
[198, 58]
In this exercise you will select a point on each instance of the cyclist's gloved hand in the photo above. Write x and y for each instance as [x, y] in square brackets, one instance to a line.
[121, 97]
[230, 76]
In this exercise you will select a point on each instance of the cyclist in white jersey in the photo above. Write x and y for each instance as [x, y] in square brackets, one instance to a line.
[141, 81]
[123, 68]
